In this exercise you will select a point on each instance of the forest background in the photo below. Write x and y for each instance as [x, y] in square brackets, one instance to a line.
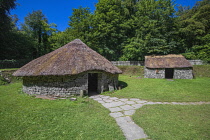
[118, 30]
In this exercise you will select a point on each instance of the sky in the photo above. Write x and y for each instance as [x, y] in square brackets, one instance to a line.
[58, 11]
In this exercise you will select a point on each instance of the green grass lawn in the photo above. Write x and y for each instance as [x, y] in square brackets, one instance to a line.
[25, 117]
[180, 90]
[174, 122]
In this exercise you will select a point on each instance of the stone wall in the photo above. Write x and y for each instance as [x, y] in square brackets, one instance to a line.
[65, 86]
[128, 63]
[196, 62]
[183, 73]
[179, 73]
[141, 63]
[107, 82]
[154, 73]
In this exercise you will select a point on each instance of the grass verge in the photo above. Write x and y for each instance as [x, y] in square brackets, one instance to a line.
[201, 70]
[132, 70]
[25, 117]
[174, 122]
[179, 90]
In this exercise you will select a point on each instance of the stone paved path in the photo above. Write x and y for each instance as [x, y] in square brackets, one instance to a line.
[123, 109]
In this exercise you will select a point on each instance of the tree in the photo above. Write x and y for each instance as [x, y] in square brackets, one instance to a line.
[194, 29]
[36, 26]
[5, 24]
[80, 27]
[80, 22]
[59, 39]
[154, 27]
[110, 29]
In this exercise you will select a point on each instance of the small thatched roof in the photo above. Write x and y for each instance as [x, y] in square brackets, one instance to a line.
[73, 58]
[167, 61]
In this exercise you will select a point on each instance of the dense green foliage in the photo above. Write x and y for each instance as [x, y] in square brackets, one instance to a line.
[36, 26]
[119, 30]
[28, 42]
[14, 44]
[7, 78]
[25, 117]
[5, 22]
[174, 122]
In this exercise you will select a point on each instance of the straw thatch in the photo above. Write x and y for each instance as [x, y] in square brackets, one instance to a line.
[73, 58]
[167, 61]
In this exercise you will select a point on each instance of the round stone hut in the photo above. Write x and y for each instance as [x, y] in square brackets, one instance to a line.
[69, 70]
[168, 66]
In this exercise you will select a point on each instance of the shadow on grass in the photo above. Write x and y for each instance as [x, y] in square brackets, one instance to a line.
[122, 84]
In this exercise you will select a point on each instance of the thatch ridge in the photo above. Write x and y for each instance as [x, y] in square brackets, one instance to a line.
[167, 61]
[73, 58]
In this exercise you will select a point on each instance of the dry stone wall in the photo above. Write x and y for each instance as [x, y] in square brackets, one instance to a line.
[154, 73]
[66, 86]
[179, 73]
[184, 73]
[128, 63]
[141, 63]
[62, 86]
[196, 62]
[107, 82]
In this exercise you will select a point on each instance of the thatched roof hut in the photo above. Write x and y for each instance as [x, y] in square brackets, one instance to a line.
[69, 70]
[167, 61]
[168, 66]
[73, 58]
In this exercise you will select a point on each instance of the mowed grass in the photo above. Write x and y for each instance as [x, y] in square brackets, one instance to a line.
[179, 90]
[174, 122]
[25, 117]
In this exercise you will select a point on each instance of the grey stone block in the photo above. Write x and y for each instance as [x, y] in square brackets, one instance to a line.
[141, 102]
[127, 107]
[130, 129]
[113, 104]
[136, 106]
[123, 99]
[129, 112]
[107, 100]
[134, 99]
[129, 102]
[113, 98]
[116, 114]
[73, 99]
[115, 109]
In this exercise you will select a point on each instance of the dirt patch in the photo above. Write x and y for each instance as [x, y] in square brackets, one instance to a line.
[45, 97]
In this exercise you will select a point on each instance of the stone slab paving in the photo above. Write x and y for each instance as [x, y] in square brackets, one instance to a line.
[123, 109]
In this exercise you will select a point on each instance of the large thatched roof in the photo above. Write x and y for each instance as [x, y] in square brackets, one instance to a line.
[167, 61]
[73, 58]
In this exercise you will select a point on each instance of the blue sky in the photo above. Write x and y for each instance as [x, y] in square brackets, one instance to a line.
[58, 11]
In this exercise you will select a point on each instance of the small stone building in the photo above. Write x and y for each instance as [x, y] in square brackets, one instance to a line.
[69, 70]
[167, 66]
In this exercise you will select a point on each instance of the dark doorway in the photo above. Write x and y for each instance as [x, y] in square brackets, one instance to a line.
[169, 73]
[92, 82]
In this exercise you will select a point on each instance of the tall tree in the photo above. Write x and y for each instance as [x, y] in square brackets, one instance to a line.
[154, 30]
[36, 25]
[110, 28]
[194, 30]
[80, 22]
[80, 26]
[5, 24]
